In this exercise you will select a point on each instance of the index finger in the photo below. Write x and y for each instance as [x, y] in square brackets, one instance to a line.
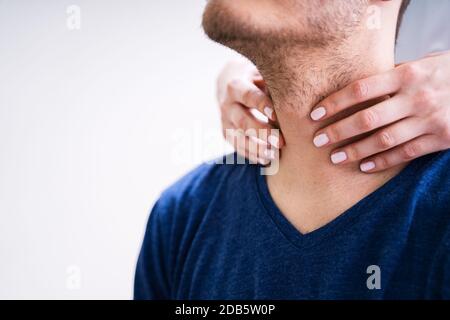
[249, 95]
[357, 92]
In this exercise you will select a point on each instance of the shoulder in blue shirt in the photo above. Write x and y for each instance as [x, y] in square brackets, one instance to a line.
[217, 234]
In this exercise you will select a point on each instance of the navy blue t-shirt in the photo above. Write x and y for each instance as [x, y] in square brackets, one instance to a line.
[217, 234]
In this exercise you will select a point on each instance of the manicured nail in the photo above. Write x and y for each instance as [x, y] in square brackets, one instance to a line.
[274, 141]
[321, 140]
[268, 111]
[338, 157]
[367, 166]
[318, 113]
[264, 162]
[270, 154]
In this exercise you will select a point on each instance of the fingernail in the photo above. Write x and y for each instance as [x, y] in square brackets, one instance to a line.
[318, 113]
[270, 154]
[338, 157]
[263, 161]
[321, 140]
[268, 111]
[367, 166]
[274, 141]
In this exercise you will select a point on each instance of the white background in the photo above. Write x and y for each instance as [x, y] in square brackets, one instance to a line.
[91, 123]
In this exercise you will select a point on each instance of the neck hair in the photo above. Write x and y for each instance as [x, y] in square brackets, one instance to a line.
[300, 70]
[299, 75]
[298, 78]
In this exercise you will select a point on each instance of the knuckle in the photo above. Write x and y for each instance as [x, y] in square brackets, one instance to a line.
[333, 133]
[438, 123]
[353, 153]
[251, 132]
[253, 98]
[246, 96]
[232, 86]
[360, 90]
[425, 97]
[367, 120]
[382, 162]
[241, 123]
[410, 151]
[385, 140]
[331, 105]
[410, 73]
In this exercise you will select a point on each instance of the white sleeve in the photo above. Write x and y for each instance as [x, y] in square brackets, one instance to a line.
[425, 29]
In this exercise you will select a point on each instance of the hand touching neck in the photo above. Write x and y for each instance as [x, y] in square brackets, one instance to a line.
[305, 50]
[309, 188]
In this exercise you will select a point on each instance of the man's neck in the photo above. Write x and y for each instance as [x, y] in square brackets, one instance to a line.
[308, 188]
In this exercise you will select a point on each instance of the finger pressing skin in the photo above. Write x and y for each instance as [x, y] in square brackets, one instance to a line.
[275, 139]
[385, 139]
[364, 121]
[237, 139]
[251, 155]
[241, 118]
[261, 150]
[409, 151]
[358, 92]
[250, 96]
[253, 149]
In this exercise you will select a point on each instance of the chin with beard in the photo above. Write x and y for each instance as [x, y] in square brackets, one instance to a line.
[281, 24]
[281, 37]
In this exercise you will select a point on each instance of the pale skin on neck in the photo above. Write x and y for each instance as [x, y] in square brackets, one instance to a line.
[309, 190]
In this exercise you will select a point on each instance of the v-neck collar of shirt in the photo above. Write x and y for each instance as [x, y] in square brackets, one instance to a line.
[343, 221]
